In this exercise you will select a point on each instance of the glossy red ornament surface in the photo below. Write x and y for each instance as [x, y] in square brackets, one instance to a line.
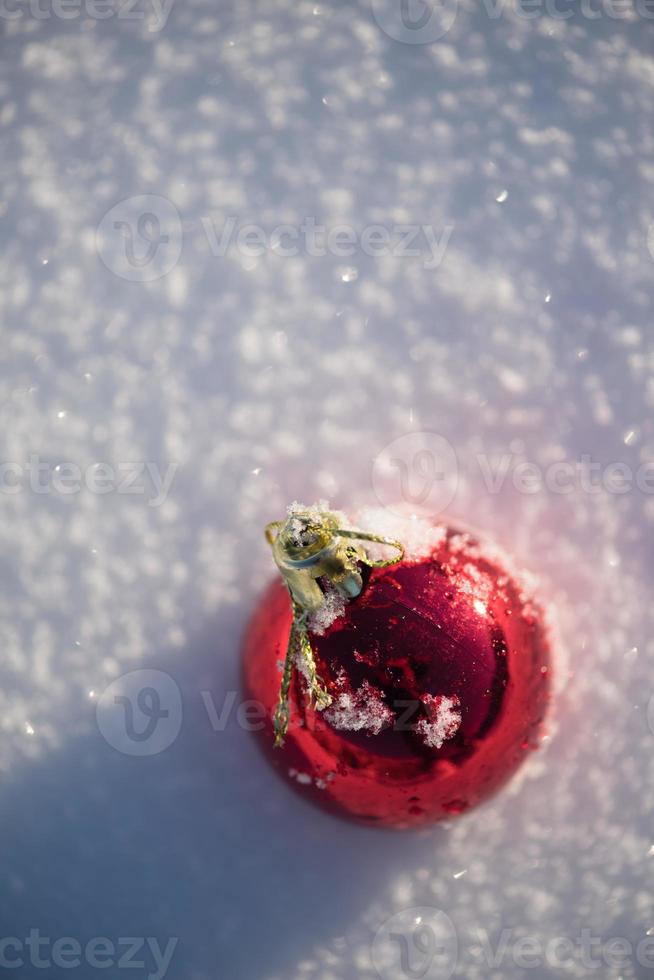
[441, 665]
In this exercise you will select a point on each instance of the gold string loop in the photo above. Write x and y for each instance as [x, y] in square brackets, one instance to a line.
[310, 550]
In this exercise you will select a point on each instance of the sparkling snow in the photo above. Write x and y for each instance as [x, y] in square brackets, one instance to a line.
[362, 710]
[443, 721]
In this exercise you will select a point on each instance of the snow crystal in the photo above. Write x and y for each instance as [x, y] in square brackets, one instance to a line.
[443, 721]
[360, 710]
[314, 511]
[301, 777]
[418, 535]
[332, 608]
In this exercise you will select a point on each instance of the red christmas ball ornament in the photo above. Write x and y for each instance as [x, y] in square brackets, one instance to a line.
[398, 690]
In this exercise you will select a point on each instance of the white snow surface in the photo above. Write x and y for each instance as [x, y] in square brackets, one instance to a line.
[257, 379]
